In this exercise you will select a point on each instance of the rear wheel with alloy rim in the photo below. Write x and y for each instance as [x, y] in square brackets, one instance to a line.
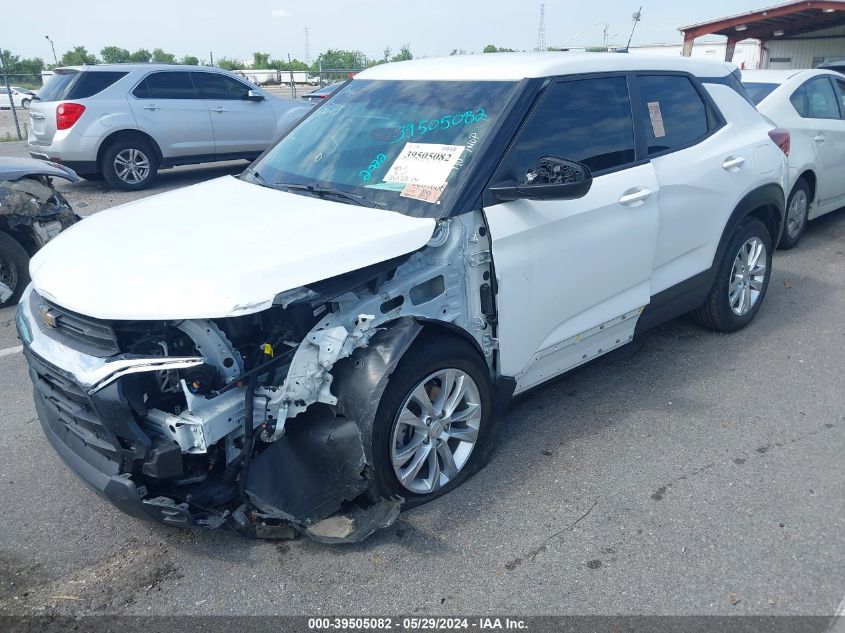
[741, 280]
[130, 164]
[434, 425]
[797, 208]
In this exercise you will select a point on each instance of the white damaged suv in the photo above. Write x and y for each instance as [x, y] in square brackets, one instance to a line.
[333, 335]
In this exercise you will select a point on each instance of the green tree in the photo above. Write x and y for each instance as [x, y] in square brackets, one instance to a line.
[162, 57]
[190, 60]
[492, 48]
[403, 55]
[458, 51]
[260, 60]
[387, 53]
[339, 58]
[142, 55]
[14, 65]
[114, 55]
[229, 64]
[78, 56]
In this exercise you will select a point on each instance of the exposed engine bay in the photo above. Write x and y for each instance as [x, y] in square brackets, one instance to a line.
[263, 421]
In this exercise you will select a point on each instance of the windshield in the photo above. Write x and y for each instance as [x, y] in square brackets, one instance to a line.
[759, 91]
[401, 145]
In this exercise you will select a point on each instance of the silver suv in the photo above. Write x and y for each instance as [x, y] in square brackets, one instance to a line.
[125, 121]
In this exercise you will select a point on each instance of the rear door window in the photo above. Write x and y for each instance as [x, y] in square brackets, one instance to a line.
[671, 112]
[585, 120]
[166, 85]
[840, 89]
[217, 86]
[815, 99]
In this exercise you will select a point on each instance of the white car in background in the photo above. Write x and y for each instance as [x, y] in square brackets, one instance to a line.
[21, 97]
[811, 105]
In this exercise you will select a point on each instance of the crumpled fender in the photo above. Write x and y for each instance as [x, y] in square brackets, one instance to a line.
[360, 380]
[311, 476]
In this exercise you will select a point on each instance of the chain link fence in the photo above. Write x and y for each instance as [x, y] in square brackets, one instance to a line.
[16, 93]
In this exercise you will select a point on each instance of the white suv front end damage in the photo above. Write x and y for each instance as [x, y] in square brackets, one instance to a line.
[156, 415]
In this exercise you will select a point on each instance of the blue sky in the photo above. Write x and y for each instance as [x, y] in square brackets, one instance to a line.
[433, 27]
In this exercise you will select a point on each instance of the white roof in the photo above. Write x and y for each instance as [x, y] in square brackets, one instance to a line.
[781, 76]
[516, 66]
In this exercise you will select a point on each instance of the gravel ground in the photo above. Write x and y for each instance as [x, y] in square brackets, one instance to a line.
[687, 473]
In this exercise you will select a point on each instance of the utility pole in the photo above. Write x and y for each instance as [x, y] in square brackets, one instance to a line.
[541, 32]
[637, 16]
[211, 57]
[55, 59]
[292, 87]
[307, 48]
[9, 93]
[604, 36]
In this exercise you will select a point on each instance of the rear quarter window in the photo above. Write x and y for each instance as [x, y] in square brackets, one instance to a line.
[759, 91]
[92, 82]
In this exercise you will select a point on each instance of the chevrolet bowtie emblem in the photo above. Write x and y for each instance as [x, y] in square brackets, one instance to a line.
[47, 316]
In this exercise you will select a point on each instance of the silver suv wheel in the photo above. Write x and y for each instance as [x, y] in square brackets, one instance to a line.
[747, 276]
[435, 431]
[132, 166]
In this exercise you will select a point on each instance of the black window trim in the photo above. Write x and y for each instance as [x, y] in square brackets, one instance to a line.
[838, 92]
[715, 119]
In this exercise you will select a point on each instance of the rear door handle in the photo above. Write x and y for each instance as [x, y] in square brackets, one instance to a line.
[733, 163]
[219, 109]
[152, 107]
[820, 138]
[635, 197]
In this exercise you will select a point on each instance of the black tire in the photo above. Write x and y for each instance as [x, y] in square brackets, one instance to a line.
[25, 104]
[717, 313]
[787, 240]
[93, 176]
[108, 165]
[14, 267]
[428, 355]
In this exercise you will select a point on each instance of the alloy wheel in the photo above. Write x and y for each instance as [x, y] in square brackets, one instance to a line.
[796, 215]
[132, 166]
[8, 272]
[435, 431]
[747, 276]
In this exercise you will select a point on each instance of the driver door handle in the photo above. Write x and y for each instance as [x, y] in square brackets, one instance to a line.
[635, 197]
[819, 138]
[219, 109]
[153, 107]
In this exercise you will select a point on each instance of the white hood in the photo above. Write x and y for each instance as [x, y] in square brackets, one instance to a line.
[221, 248]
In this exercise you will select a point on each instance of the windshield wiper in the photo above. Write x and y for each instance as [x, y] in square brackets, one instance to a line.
[320, 190]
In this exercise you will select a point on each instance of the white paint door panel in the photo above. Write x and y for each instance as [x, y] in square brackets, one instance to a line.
[566, 266]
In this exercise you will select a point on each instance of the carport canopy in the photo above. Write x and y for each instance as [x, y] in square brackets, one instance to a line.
[781, 21]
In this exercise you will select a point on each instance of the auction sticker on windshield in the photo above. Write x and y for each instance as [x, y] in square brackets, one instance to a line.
[424, 164]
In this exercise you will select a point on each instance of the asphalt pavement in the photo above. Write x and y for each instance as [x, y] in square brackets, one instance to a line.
[689, 473]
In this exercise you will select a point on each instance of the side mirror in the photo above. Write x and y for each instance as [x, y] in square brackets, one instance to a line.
[552, 178]
[253, 95]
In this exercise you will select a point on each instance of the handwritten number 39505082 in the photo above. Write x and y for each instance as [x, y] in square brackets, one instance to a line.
[425, 126]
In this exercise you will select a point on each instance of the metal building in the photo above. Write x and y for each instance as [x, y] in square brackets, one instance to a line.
[792, 35]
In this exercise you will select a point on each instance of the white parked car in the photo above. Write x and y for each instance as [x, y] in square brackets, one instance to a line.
[21, 97]
[811, 105]
[126, 121]
[334, 334]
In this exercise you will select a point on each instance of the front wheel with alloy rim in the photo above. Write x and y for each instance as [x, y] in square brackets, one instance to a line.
[435, 423]
[741, 280]
[129, 165]
[797, 208]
